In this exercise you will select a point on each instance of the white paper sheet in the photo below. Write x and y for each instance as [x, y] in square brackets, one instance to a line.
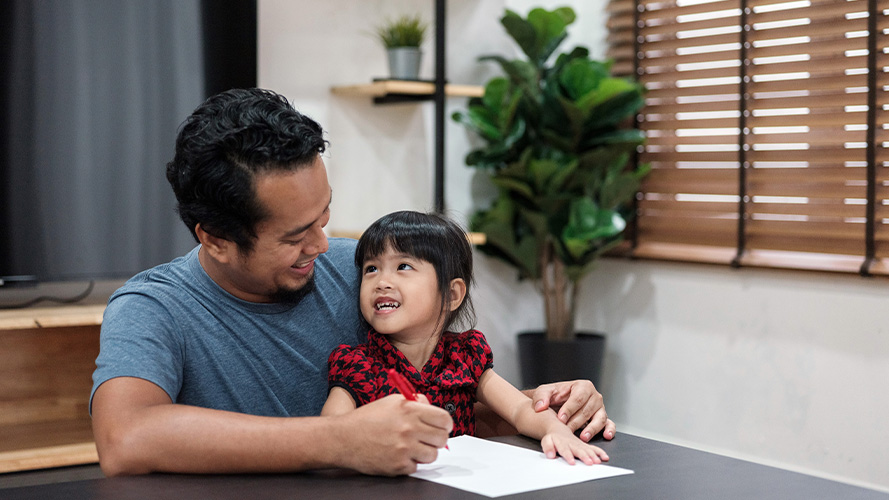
[496, 469]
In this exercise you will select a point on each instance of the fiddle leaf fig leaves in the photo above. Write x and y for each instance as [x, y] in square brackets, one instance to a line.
[558, 147]
[541, 33]
[588, 223]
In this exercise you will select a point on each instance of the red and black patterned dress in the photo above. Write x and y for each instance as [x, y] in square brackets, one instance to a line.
[449, 379]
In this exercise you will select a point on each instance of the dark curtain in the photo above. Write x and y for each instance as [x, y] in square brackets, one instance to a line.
[229, 28]
[93, 94]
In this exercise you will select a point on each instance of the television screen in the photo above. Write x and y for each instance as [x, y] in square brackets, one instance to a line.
[93, 92]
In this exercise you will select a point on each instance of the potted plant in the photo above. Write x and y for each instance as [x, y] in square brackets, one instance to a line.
[402, 38]
[557, 145]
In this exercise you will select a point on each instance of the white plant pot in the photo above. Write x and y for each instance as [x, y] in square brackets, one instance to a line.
[404, 63]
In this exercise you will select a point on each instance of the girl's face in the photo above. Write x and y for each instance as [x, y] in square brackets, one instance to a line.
[399, 295]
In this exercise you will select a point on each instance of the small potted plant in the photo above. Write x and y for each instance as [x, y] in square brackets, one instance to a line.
[557, 145]
[402, 38]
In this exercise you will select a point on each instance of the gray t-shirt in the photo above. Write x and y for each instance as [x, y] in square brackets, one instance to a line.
[174, 326]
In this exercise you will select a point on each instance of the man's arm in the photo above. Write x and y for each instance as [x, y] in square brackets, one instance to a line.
[579, 403]
[139, 430]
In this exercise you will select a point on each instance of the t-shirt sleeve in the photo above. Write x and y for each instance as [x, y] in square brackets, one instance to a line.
[139, 339]
[349, 368]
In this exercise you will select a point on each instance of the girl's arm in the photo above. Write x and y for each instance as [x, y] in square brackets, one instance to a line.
[339, 401]
[516, 408]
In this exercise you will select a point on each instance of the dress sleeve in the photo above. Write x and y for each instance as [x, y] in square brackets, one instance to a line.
[480, 352]
[348, 367]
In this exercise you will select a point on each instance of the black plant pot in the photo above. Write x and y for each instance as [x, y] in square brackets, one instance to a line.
[543, 361]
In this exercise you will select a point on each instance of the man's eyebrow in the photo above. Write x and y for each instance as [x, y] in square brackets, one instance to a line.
[302, 229]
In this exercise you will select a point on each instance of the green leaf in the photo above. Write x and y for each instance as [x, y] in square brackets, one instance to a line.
[481, 121]
[581, 77]
[619, 189]
[627, 138]
[606, 89]
[520, 72]
[558, 139]
[558, 180]
[495, 92]
[550, 28]
[504, 241]
[537, 223]
[576, 120]
[522, 32]
[514, 186]
[588, 223]
[615, 109]
[541, 171]
[578, 52]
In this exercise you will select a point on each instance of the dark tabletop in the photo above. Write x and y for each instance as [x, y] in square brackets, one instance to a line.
[662, 471]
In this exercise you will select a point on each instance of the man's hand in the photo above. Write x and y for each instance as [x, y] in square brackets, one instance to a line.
[579, 404]
[392, 435]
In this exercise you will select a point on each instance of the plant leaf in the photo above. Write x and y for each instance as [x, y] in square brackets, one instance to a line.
[520, 72]
[550, 29]
[522, 32]
[588, 223]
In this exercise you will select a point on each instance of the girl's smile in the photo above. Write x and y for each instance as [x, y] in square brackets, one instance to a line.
[386, 304]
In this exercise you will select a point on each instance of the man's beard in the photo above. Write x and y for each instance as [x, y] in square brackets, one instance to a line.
[294, 296]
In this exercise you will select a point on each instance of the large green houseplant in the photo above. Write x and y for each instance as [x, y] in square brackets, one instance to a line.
[557, 145]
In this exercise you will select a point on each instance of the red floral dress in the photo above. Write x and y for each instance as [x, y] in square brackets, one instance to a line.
[449, 379]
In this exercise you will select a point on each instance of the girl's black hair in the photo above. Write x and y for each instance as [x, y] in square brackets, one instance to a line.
[433, 238]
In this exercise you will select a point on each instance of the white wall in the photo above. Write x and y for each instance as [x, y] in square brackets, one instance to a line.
[782, 367]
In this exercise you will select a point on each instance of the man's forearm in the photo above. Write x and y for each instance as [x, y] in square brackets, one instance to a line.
[138, 430]
[176, 438]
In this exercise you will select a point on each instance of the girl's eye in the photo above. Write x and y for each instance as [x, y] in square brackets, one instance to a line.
[370, 269]
[404, 267]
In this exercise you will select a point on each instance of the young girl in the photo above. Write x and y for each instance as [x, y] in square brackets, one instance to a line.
[416, 272]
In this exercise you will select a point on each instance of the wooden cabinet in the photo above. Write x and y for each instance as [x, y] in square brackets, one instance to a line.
[47, 357]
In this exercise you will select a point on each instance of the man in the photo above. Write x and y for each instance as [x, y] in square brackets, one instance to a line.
[216, 361]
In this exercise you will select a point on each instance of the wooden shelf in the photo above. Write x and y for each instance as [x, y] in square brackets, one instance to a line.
[47, 357]
[49, 317]
[474, 238]
[47, 444]
[405, 90]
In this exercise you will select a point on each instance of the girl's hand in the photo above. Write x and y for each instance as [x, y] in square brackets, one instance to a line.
[566, 444]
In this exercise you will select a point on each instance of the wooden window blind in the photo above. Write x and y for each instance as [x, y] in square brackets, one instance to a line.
[766, 123]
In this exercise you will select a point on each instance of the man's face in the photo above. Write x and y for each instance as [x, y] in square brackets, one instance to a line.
[280, 267]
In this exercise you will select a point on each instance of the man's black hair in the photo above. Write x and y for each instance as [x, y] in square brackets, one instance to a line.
[223, 145]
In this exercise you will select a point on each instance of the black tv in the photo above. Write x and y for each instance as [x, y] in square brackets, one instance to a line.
[92, 95]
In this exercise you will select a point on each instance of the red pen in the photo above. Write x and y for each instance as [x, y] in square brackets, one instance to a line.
[404, 387]
[402, 384]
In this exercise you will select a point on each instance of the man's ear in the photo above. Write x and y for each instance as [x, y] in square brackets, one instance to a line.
[456, 293]
[220, 249]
